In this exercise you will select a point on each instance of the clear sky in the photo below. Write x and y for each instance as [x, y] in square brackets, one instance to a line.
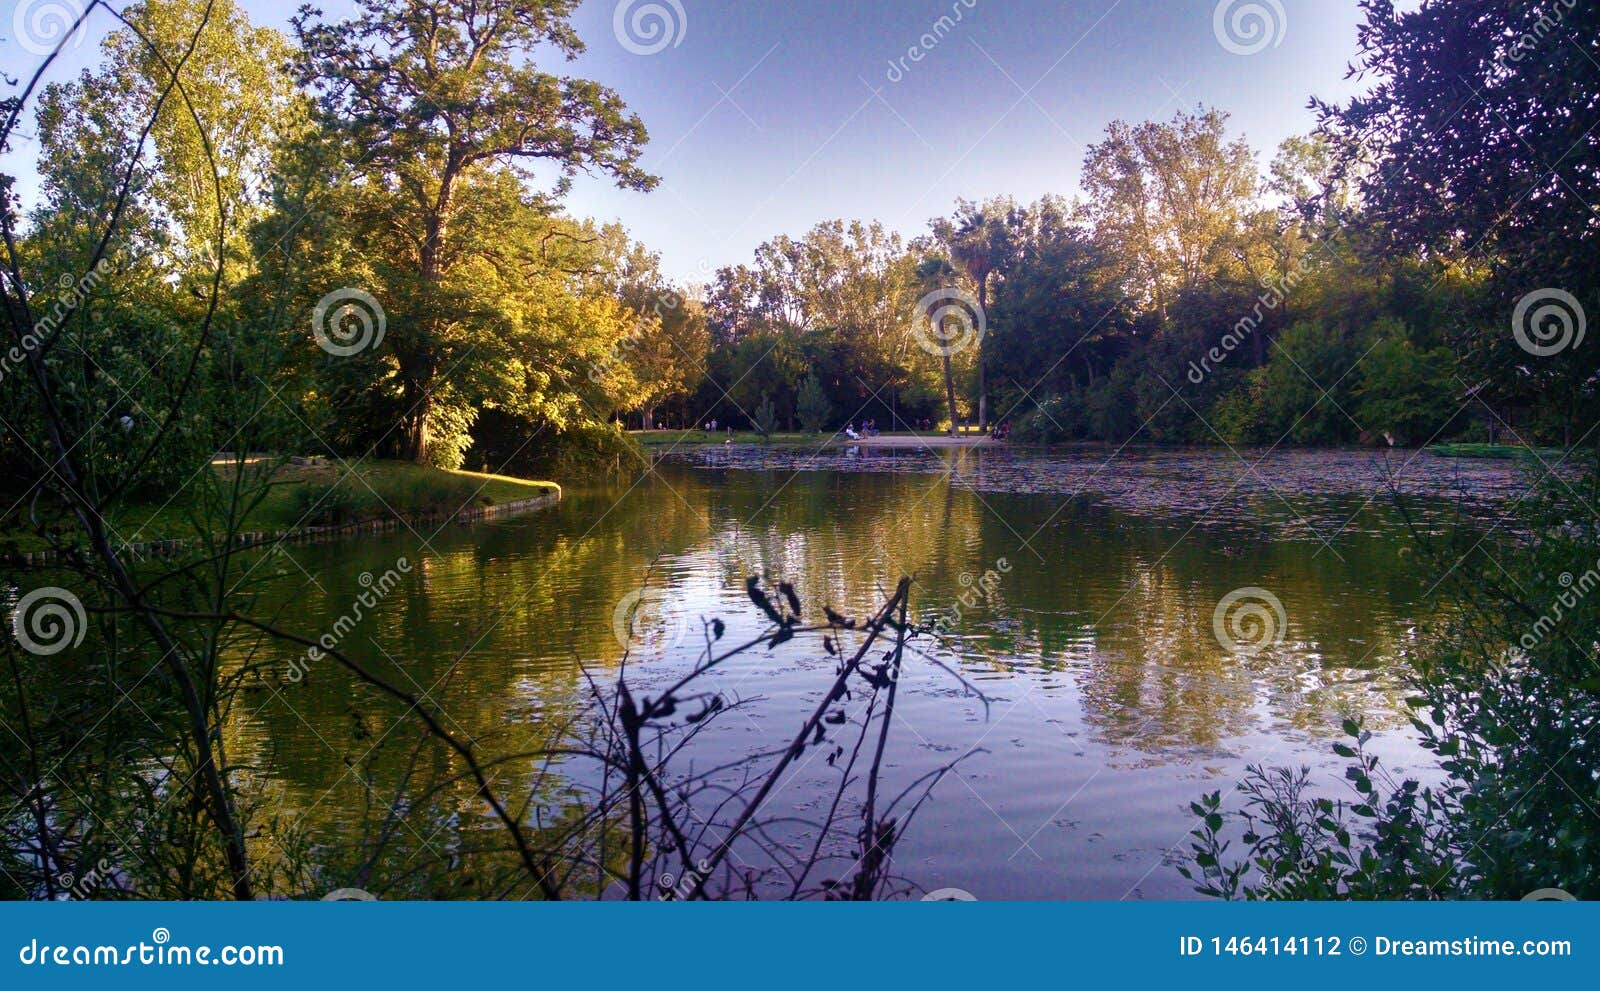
[768, 116]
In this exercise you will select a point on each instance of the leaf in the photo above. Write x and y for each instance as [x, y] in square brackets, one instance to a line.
[789, 595]
[752, 588]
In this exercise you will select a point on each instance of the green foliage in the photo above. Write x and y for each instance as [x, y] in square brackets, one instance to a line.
[765, 419]
[473, 273]
[812, 406]
[1239, 417]
[1504, 694]
[1404, 390]
[1306, 389]
[1383, 841]
[1442, 180]
[1051, 421]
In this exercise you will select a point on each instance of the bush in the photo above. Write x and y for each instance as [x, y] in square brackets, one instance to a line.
[1053, 419]
[1506, 695]
[1405, 391]
[328, 504]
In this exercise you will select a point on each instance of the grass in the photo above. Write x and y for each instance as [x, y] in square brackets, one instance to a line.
[1504, 451]
[318, 495]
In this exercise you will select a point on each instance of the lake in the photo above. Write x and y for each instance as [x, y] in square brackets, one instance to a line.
[1114, 693]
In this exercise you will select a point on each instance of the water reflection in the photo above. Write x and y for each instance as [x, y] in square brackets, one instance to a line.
[1113, 703]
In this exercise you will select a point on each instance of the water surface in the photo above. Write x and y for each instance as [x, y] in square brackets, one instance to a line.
[1111, 704]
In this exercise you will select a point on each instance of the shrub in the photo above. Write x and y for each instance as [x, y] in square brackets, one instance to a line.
[1506, 696]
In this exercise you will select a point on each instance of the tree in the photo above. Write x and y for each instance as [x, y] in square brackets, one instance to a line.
[936, 273]
[812, 405]
[1169, 198]
[215, 144]
[667, 345]
[846, 293]
[432, 100]
[1484, 156]
[1404, 391]
[1061, 315]
[976, 241]
[765, 419]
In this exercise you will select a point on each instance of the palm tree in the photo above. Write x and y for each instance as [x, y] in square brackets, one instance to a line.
[975, 258]
[934, 274]
[977, 241]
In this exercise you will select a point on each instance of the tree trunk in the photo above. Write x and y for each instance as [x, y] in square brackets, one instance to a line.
[415, 430]
[950, 392]
[983, 384]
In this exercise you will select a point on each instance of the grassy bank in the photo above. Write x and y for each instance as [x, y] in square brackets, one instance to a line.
[1500, 451]
[315, 494]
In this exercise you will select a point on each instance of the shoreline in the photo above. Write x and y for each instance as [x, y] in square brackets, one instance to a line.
[258, 539]
[902, 441]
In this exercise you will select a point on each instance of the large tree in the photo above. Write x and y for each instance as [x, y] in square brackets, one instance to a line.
[1481, 131]
[666, 347]
[935, 273]
[854, 283]
[1170, 199]
[429, 98]
[976, 239]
